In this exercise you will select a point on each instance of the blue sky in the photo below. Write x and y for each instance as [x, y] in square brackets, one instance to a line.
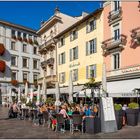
[30, 14]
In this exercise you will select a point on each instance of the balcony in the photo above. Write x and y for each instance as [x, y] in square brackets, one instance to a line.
[50, 61]
[114, 16]
[135, 36]
[112, 45]
[51, 79]
[47, 46]
[44, 65]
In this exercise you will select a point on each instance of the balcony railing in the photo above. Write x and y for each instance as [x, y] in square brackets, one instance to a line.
[48, 45]
[50, 61]
[135, 36]
[114, 15]
[112, 45]
[51, 78]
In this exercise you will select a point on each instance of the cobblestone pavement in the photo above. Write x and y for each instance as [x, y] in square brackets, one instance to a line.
[14, 128]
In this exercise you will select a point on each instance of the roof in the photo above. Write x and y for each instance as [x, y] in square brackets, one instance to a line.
[79, 22]
[7, 23]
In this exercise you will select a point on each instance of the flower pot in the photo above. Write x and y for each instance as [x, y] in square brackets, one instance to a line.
[119, 118]
[132, 116]
[2, 49]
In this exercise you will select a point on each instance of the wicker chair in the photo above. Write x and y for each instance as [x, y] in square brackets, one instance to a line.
[76, 121]
[60, 121]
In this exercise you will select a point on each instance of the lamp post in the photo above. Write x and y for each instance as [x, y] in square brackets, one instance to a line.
[137, 91]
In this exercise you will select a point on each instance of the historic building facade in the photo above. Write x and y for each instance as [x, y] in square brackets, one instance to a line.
[49, 29]
[19, 58]
[121, 47]
[79, 52]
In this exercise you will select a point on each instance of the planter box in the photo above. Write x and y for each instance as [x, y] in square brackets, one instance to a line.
[119, 118]
[132, 116]
[93, 125]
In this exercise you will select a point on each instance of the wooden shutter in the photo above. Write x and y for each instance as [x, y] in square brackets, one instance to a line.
[87, 50]
[70, 54]
[95, 71]
[77, 52]
[95, 45]
[64, 58]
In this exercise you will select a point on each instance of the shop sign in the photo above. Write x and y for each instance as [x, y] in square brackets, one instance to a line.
[73, 65]
[131, 69]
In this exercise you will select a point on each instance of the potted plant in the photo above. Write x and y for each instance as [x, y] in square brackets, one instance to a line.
[132, 114]
[20, 38]
[2, 66]
[25, 40]
[2, 49]
[119, 115]
[14, 82]
[30, 41]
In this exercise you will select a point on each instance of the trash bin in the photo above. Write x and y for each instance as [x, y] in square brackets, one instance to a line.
[93, 125]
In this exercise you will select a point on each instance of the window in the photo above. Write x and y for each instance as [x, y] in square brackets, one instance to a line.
[13, 61]
[13, 76]
[35, 66]
[35, 78]
[24, 49]
[116, 5]
[73, 35]
[91, 26]
[25, 77]
[117, 34]
[62, 77]
[62, 58]
[24, 35]
[19, 34]
[13, 46]
[34, 50]
[91, 46]
[91, 71]
[74, 53]
[25, 62]
[61, 42]
[74, 75]
[116, 61]
[30, 36]
[13, 33]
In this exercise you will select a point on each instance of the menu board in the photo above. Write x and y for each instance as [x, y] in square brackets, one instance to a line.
[108, 108]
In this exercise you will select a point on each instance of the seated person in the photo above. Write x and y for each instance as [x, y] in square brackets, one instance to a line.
[76, 111]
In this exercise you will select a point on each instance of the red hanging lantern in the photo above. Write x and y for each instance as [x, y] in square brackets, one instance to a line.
[2, 49]
[2, 66]
[14, 82]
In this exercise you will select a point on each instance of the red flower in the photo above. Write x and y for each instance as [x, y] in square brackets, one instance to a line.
[2, 65]
[20, 38]
[14, 37]
[30, 41]
[2, 49]
[14, 82]
[25, 40]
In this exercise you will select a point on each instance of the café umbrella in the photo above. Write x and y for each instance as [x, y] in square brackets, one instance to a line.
[70, 88]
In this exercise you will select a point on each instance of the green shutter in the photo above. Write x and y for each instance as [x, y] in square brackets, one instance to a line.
[86, 72]
[77, 52]
[87, 48]
[95, 71]
[70, 52]
[95, 45]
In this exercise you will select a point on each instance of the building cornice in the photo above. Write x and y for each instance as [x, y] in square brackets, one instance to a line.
[20, 27]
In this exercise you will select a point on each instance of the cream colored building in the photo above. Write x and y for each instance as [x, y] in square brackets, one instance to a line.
[79, 52]
[49, 29]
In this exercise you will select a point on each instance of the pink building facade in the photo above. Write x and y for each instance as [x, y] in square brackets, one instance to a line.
[121, 47]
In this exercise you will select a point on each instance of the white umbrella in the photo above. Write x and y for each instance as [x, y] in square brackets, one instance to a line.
[19, 95]
[31, 94]
[26, 89]
[70, 88]
[44, 89]
[104, 83]
[38, 94]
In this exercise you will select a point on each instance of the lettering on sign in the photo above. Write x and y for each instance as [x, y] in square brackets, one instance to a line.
[73, 65]
[131, 69]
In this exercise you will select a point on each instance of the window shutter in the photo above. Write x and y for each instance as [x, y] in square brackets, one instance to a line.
[95, 71]
[77, 74]
[59, 45]
[86, 72]
[87, 52]
[76, 33]
[59, 59]
[64, 40]
[87, 27]
[95, 45]
[77, 52]
[70, 54]
[60, 77]
[94, 23]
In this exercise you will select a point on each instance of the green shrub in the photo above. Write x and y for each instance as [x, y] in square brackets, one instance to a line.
[133, 105]
[50, 100]
[118, 107]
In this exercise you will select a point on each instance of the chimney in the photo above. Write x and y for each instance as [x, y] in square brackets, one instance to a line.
[56, 11]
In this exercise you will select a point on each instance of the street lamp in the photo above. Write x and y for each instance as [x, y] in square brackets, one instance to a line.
[137, 91]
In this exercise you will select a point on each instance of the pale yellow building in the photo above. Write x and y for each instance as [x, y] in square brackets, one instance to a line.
[79, 51]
